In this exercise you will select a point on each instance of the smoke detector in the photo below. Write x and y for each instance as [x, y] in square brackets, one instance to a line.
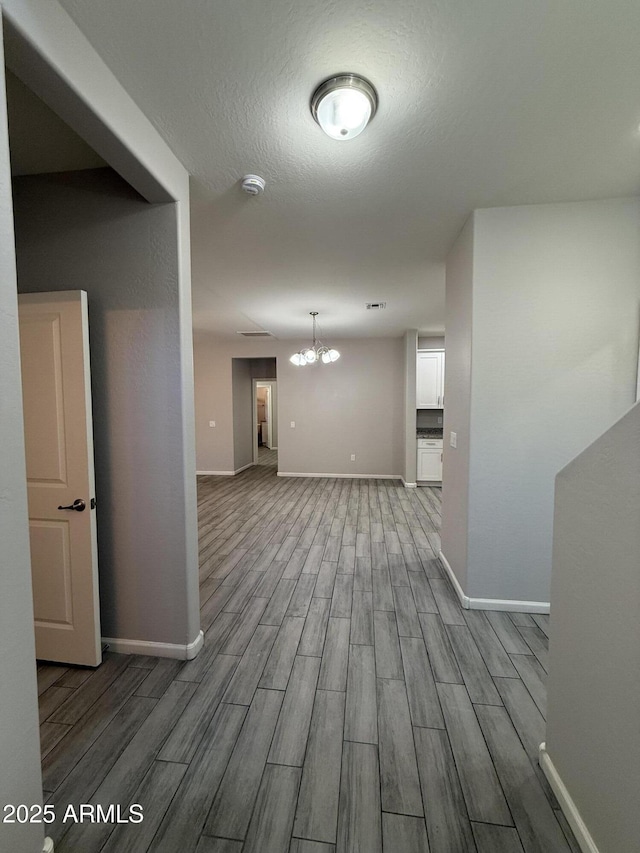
[253, 184]
[376, 306]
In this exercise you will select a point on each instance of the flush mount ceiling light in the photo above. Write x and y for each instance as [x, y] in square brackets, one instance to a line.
[343, 105]
[316, 352]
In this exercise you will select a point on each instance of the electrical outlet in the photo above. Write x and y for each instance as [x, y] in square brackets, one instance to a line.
[293, 424]
[439, 420]
[453, 439]
[212, 423]
[353, 457]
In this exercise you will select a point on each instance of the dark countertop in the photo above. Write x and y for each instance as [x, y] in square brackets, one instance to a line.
[429, 432]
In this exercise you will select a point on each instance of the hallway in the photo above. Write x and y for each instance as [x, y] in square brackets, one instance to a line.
[343, 701]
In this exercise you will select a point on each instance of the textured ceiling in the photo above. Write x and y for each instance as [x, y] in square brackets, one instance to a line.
[481, 104]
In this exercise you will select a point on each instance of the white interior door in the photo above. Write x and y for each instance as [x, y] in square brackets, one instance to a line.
[54, 347]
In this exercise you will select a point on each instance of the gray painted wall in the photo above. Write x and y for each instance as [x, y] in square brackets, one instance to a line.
[430, 342]
[242, 391]
[455, 475]
[40, 140]
[429, 418]
[20, 777]
[353, 406]
[554, 337]
[593, 736]
[263, 368]
[555, 352]
[89, 230]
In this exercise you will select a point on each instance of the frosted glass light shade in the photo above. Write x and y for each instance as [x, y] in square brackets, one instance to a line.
[344, 113]
[298, 359]
[344, 105]
[330, 355]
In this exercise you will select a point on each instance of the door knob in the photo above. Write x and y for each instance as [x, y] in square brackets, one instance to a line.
[79, 505]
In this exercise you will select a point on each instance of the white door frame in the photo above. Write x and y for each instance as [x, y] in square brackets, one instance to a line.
[638, 373]
[269, 441]
[267, 383]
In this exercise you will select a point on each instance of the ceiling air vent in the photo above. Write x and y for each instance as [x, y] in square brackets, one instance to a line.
[376, 306]
[256, 334]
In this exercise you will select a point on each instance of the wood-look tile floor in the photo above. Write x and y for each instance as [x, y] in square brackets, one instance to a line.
[267, 456]
[343, 701]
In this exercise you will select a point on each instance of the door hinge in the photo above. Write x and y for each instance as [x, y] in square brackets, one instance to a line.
[93, 503]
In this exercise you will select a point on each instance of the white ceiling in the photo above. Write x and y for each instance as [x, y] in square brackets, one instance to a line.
[481, 104]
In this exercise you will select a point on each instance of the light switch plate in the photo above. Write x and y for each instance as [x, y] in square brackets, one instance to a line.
[212, 423]
[293, 424]
[453, 439]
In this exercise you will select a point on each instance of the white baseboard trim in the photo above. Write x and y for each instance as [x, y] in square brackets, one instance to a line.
[569, 808]
[223, 473]
[512, 604]
[408, 485]
[160, 650]
[464, 600]
[343, 476]
[48, 845]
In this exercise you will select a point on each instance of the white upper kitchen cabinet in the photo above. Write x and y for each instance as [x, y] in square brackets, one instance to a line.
[430, 379]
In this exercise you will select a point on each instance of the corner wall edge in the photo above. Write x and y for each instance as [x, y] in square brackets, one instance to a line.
[511, 604]
[161, 650]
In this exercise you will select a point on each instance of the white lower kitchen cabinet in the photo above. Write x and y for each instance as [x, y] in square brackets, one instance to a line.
[429, 460]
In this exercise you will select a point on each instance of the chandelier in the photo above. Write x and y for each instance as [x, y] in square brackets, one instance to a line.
[316, 352]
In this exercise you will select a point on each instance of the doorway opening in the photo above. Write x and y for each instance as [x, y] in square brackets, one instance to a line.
[265, 446]
[68, 210]
[255, 413]
[45, 155]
